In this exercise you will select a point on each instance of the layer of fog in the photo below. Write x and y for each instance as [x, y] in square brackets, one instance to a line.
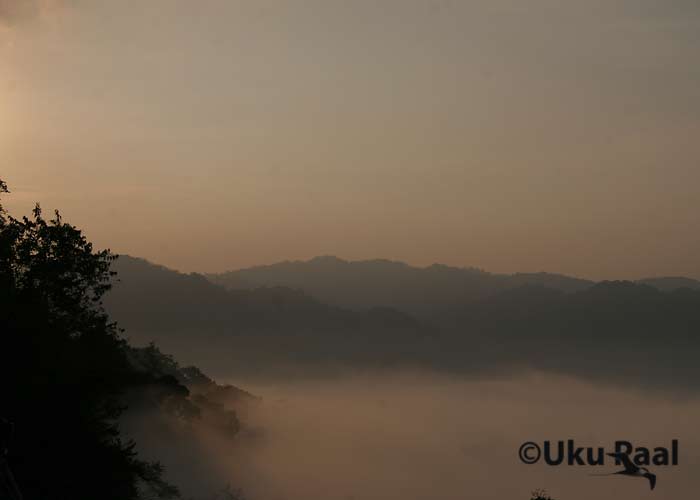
[414, 436]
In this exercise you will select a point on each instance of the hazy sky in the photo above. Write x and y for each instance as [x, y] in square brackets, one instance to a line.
[509, 135]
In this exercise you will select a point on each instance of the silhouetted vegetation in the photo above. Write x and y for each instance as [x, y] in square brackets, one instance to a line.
[540, 495]
[67, 374]
[64, 367]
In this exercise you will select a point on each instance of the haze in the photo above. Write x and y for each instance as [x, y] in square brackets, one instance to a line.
[416, 436]
[546, 135]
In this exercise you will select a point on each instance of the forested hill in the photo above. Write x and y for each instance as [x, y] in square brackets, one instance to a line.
[422, 291]
[371, 283]
[619, 331]
[622, 332]
[224, 330]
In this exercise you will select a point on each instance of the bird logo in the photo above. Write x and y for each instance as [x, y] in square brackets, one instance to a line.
[631, 469]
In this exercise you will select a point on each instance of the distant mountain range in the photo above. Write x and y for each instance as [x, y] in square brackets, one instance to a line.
[426, 291]
[224, 330]
[669, 284]
[327, 314]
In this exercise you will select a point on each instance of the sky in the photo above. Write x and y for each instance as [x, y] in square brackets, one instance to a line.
[507, 135]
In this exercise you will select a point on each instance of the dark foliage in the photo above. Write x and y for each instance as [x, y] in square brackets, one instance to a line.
[186, 393]
[540, 495]
[64, 368]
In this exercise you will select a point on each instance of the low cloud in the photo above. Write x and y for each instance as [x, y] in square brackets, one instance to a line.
[415, 436]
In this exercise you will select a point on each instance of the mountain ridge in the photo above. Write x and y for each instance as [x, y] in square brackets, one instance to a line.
[602, 331]
[422, 291]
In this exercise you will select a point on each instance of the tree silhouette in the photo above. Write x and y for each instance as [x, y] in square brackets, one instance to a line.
[540, 494]
[64, 367]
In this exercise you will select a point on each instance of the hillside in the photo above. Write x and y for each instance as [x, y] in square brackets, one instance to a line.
[669, 284]
[617, 331]
[80, 404]
[424, 291]
[204, 324]
[613, 331]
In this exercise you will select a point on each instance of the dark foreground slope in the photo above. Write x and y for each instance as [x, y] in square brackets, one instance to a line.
[69, 381]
